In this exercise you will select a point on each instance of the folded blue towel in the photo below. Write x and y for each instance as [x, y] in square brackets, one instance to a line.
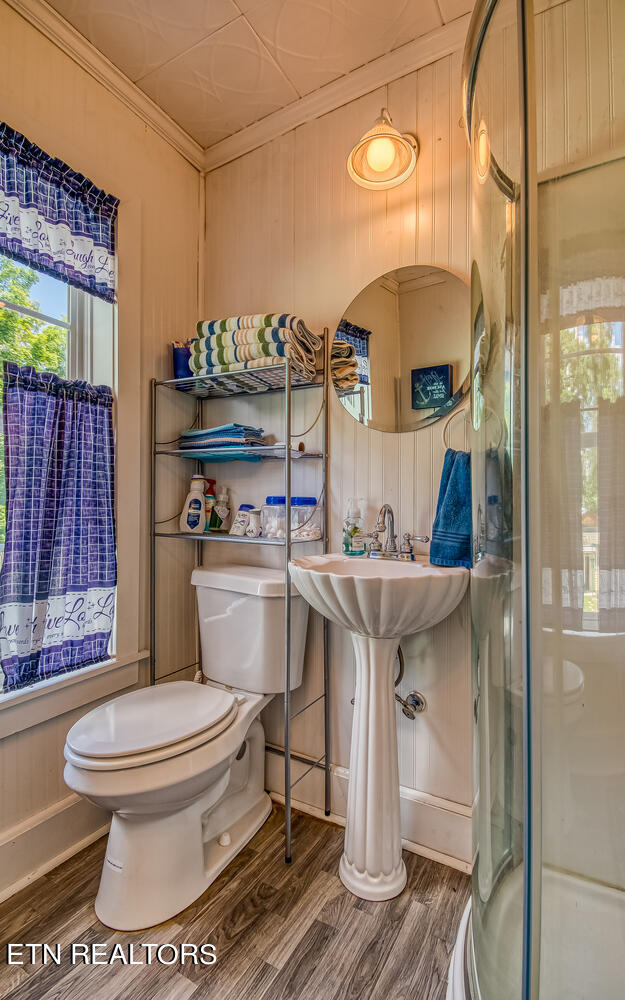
[224, 430]
[452, 532]
[217, 437]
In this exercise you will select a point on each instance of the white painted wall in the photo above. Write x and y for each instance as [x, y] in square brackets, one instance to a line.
[59, 106]
[287, 229]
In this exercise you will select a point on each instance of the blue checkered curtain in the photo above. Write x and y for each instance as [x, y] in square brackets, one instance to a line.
[358, 337]
[57, 581]
[54, 219]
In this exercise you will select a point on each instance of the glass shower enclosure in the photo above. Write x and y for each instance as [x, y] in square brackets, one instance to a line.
[544, 90]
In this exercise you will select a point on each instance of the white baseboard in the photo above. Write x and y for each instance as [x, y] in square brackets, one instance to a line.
[43, 841]
[432, 827]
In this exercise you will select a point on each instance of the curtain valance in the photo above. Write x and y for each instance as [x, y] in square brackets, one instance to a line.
[55, 219]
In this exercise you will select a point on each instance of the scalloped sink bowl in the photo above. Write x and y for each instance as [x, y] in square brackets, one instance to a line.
[378, 600]
[382, 598]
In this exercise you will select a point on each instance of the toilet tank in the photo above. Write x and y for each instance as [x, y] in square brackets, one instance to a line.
[241, 616]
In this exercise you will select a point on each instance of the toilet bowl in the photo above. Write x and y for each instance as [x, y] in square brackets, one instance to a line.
[181, 765]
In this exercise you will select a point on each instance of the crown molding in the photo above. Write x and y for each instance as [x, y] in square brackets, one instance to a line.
[414, 55]
[425, 281]
[390, 284]
[58, 30]
[410, 57]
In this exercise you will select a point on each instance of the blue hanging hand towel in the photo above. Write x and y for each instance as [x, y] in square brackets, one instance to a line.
[452, 531]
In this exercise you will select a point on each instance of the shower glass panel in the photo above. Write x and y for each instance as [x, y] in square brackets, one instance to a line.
[581, 579]
[548, 408]
[497, 896]
[578, 642]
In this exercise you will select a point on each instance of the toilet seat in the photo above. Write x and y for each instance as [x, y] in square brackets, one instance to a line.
[149, 725]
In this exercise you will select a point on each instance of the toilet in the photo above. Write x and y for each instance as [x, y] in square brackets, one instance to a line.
[181, 765]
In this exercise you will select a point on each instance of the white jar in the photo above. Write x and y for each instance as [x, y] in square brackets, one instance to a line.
[253, 529]
[241, 520]
[193, 516]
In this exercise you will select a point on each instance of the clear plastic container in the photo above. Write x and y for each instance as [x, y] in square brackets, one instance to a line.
[305, 518]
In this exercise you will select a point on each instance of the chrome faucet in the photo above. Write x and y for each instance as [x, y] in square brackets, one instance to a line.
[389, 550]
[386, 512]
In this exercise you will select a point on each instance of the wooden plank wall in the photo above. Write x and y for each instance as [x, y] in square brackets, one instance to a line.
[288, 229]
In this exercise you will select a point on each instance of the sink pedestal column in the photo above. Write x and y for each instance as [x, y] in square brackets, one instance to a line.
[371, 866]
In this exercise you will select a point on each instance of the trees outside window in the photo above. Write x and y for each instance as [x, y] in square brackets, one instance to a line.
[34, 330]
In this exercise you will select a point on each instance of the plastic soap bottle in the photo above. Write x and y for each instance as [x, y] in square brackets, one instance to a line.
[209, 500]
[193, 517]
[353, 545]
[220, 515]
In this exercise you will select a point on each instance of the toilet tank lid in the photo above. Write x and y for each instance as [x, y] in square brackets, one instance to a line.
[258, 580]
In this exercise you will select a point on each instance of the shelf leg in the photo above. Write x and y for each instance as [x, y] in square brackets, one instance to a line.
[327, 352]
[153, 532]
[287, 618]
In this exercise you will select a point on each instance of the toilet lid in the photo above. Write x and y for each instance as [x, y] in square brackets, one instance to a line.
[150, 718]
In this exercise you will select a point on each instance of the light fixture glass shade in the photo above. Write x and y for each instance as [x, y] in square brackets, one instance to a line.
[383, 158]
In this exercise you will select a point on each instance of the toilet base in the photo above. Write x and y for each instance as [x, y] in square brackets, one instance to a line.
[155, 866]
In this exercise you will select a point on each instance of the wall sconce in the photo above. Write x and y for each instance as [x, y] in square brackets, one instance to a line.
[384, 157]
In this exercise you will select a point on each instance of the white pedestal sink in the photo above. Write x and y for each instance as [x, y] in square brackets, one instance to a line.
[379, 601]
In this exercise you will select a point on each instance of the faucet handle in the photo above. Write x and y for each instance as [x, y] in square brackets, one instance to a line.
[376, 544]
[406, 545]
[410, 539]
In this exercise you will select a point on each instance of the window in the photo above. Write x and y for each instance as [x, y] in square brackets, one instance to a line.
[53, 327]
[50, 325]
[590, 361]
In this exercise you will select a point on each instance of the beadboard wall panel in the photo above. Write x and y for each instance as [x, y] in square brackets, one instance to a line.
[581, 117]
[62, 108]
[288, 229]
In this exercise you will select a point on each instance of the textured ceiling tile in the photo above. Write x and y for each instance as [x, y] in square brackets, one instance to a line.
[221, 85]
[316, 41]
[451, 9]
[139, 35]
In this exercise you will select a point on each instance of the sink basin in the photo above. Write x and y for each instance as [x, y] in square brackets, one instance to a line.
[382, 598]
[378, 600]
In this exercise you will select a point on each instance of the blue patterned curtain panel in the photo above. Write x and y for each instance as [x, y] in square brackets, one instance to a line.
[57, 581]
[54, 219]
[358, 337]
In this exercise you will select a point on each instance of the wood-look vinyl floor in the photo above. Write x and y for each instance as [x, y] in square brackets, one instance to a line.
[281, 932]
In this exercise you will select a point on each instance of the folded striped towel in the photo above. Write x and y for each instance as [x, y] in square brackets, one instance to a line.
[241, 352]
[250, 335]
[210, 327]
[238, 366]
[343, 365]
[205, 360]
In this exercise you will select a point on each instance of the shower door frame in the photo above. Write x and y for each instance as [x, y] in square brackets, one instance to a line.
[526, 204]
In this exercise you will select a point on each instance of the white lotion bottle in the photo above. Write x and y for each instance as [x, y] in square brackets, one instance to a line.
[193, 517]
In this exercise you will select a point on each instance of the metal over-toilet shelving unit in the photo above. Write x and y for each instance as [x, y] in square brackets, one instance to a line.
[259, 381]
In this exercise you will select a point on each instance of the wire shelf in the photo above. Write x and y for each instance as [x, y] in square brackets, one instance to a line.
[255, 452]
[282, 379]
[245, 383]
[208, 536]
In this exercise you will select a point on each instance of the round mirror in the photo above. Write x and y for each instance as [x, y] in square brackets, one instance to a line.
[401, 353]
